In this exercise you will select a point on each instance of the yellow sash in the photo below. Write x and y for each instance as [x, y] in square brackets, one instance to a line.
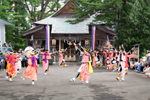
[80, 76]
[90, 66]
[8, 65]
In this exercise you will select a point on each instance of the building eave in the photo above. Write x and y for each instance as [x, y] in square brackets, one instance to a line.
[32, 30]
[6, 22]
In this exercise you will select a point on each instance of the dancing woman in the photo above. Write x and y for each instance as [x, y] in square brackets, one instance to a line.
[11, 68]
[45, 58]
[31, 70]
[83, 71]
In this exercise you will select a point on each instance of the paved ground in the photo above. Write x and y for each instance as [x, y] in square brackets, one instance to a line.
[57, 86]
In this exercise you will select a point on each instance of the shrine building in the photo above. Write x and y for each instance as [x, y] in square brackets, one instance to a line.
[54, 33]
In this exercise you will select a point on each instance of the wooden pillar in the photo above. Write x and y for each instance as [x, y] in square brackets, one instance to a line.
[26, 41]
[99, 43]
[63, 45]
[59, 43]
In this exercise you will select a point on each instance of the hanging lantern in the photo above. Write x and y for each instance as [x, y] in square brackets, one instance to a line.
[31, 38]
[53, 42]
[36, 41]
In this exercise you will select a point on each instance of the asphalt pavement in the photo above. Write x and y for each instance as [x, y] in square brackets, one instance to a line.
[56, 85]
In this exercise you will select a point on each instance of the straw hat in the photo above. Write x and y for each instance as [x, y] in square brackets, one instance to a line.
[32, 53]
[11, 52]
[46, 50]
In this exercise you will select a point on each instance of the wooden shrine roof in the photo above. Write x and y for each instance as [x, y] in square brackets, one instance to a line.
[60, 26]
[67, 8]
[32, 30]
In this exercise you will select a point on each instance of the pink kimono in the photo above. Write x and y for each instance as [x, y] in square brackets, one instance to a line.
[126, 62]
[111, 58]
[18, 63]
[31, 70]
[85, 66]
[94, 59]
[45, 58]
[60, 57]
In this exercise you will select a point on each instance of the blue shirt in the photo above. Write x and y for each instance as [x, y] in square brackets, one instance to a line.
[24, 59]
[9, 45]
[0, 60]
[38, 57]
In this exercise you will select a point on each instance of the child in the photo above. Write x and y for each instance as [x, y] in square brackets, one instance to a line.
[61, 60]
[107, 55]
[114, 64]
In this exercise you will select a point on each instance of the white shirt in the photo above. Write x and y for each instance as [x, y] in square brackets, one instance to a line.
[131, 63]
[137, 63]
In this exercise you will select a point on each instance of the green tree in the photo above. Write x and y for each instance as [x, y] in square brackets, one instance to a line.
[17, 16]
[39, 9]
[101, 10]
[130, 18]
[135, 30]
[33, 10]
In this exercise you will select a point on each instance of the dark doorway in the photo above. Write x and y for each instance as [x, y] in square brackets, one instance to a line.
[66, 45]
[43, 42]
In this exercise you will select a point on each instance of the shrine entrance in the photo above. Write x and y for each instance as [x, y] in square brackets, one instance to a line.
[71, 54]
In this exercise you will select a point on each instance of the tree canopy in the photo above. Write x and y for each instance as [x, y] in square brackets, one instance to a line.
[39, 9]
[17, 17]
[22, 13]
[130, 19]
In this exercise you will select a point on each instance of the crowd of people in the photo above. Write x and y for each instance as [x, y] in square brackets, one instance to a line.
[7, 45]
[22, 59]
[29, 59]
[142, 66]
[110, 57]
[114, 60]
[119, 61]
